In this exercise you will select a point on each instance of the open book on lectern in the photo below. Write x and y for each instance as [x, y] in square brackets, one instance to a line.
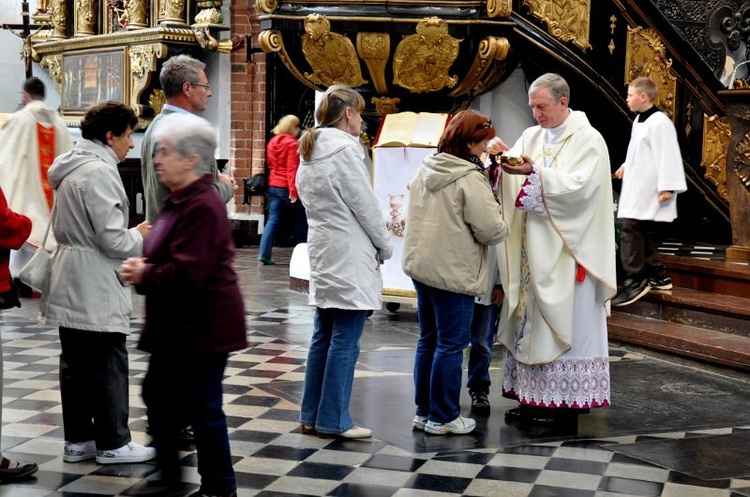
[411, 129]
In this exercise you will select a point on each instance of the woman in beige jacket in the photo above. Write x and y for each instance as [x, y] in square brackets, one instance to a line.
[453, 216]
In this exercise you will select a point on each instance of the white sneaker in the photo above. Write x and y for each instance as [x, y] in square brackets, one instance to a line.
[130, 453]
[459, 426]
[77, 452]
[418, 422]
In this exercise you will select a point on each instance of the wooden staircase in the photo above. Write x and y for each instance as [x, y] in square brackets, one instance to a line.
[705, 317]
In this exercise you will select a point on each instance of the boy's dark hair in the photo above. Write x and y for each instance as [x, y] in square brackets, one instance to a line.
[34, 87]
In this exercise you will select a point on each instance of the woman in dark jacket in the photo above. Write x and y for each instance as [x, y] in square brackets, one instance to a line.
[283, 201]
[194, 310]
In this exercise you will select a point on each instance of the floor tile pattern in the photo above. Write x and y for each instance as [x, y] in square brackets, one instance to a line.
[271, 456]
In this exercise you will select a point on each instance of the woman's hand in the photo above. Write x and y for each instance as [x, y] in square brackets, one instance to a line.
[132, 270]
[144, 228]
[525, 168]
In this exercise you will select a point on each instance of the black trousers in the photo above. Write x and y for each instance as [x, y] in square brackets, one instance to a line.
[94, 387]
[638, 256]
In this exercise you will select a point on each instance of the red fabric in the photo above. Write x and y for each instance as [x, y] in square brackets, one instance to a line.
[46, 138]
[283, 160]
[580, 272]
[14, 230]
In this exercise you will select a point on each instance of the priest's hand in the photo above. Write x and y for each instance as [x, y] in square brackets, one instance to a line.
[496, 146]
[524, 168]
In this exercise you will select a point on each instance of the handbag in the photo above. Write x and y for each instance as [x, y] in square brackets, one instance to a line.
[35, 272]
[257, 184]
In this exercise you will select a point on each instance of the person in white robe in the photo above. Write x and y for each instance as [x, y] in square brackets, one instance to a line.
[652, 176]
[29, 143]
[558, 264]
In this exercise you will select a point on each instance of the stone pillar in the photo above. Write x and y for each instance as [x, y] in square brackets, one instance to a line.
[737, 108]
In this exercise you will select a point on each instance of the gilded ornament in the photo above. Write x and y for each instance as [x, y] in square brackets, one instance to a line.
[374, 49]
[688, 118]
[271, 41]
[266, 5]
[742, 161]
[499, 8]
[422, 61]
[209, 12]
[143, 59]
[646, 55]
[136, 13]
[717, 137]
[331, 56]
[172, 12]
[567, 20]
[491, 52]
[59, 19]
[386, 105]
[208, 42]
[157, 100]
[85, 17]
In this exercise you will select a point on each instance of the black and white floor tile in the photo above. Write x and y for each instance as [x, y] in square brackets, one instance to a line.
[652, 401]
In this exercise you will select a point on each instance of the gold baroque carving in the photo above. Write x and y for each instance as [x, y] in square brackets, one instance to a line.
[646, 56]
[499, 8]
[59, 19]
[143, 59]
[386, 105]
[422, 61]
[53, 64]
[742, 161]
[207, 42]
[172, 12]
[567, 20]
[136, 13]
[717, 137]
[271, 41]
[374, 49]
[331, 56]
[266, 5]
[157, 100]
[491, 51]
[85, 17]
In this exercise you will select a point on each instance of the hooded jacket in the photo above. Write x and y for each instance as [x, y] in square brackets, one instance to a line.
[347, 237]
[452, 218]
[90, 223]
[283, 160]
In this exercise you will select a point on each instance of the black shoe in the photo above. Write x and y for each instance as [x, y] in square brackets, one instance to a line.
[20, 472]
[661, 282]
[631, 291]
[480, 403]
[159, 488]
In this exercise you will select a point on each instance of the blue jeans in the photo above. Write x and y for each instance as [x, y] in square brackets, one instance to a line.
[445, 323]
[187, 390]
[329, 374]
[279, 209]
[482, 334]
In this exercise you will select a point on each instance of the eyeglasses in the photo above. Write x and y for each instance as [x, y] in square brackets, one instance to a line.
[206, 87]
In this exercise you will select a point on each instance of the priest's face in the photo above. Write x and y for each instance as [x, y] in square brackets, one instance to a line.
[548, 112]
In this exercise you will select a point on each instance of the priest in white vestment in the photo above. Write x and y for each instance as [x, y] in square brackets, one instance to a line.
[29, 143]
[558, 264]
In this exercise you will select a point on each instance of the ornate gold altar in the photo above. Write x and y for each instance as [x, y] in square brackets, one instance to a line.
[407, 55]
[96, 50]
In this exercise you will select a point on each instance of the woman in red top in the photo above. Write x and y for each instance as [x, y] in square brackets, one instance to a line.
[282, 159]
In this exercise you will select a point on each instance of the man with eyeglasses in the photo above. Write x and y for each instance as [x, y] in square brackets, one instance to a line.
[185, 86]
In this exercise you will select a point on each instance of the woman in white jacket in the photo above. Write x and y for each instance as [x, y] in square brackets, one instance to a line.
[84, 295]
[347, 242]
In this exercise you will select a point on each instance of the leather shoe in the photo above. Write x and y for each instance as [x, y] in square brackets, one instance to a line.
[20, 472]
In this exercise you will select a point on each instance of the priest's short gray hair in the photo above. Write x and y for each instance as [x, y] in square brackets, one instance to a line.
[188, 134]
[555, 83]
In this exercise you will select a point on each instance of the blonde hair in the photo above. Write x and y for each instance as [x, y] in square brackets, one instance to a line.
[287, 125]
[330, 112]
[644, 84]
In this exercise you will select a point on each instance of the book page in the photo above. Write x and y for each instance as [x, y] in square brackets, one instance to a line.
[428, 129]
[396, 129]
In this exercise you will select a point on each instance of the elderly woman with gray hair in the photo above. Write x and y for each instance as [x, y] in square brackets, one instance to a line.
[194, 309]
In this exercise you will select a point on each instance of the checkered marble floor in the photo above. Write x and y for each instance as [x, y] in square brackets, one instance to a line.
[272, 457]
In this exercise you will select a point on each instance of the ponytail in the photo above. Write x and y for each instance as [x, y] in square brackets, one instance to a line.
[329, 114]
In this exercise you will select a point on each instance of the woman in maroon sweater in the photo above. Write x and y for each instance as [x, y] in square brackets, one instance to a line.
[14, 230]
[282, 159]
[194, 311]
